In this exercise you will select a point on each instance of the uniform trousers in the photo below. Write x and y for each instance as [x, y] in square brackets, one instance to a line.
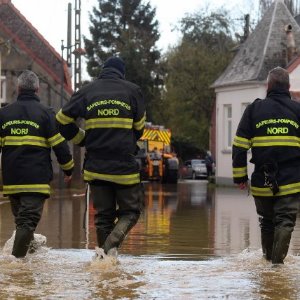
[117, 210]
[27, 209]
[277, 212]
[277, 218]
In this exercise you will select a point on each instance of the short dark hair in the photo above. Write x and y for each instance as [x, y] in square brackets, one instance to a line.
[279, 78]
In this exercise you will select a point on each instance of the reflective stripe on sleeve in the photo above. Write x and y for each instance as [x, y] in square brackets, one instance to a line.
[26, 188]
[109, 123]
[239, 172]
[267, 141]
[242, 142]
[140, 124]
[69, 165]
[25, 140]
[120, 179]
[55, 140]
[78, 137]
[288, 189]
[63, 119]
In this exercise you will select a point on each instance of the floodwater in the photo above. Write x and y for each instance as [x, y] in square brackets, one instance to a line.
[193, 241]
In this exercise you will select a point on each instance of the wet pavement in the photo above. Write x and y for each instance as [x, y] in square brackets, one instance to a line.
[193, 241]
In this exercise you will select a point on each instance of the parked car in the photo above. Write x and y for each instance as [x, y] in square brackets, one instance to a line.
[194, 168]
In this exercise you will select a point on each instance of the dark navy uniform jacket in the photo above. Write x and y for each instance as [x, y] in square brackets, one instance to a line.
[271, 129]
[114, 113]
[28, 131]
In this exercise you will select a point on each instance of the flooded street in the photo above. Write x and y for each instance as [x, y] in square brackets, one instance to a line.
[193, 241]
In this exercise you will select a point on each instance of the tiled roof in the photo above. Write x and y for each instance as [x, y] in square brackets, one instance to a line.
[264, 49]
[22, 33]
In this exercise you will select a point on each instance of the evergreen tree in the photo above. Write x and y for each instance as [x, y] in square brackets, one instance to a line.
[126, 28]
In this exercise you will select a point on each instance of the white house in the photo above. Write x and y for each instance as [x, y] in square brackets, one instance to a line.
[274, 42]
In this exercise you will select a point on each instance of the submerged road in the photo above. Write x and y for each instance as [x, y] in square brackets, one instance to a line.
[193, 241]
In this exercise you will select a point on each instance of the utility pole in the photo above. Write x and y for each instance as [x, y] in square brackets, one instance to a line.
[78, 49]
[246, 27]
[69, 38]
[77, 81]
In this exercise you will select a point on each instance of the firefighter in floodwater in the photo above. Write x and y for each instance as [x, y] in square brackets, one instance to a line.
[271, 128]
[28, 131]
[114, 114]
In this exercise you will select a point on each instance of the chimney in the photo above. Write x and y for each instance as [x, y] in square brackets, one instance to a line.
[291, 47]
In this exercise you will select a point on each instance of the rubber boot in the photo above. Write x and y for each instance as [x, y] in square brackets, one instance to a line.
[267, 245]
[101, 237]
[281, 244]
[23, 238]
[123, 226]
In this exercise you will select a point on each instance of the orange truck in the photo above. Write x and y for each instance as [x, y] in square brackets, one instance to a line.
[155, 158]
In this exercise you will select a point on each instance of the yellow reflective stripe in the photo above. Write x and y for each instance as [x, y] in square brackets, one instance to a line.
[120, 179]
[283, 190]
[69, 165]
[242, 142]
[55, 140]
[109, 123]
[140, 124]
[63, 119]
[26, 188]
[239, 172]
[78, 137]
[266, 141]
[25, 140]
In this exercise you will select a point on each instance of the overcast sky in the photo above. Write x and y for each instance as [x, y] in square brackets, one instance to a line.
[49, 17]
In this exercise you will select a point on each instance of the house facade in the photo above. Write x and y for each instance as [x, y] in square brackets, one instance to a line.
[274, 42]
[23, 47]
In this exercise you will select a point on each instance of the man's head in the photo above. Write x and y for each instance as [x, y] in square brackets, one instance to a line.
[29, 81]
[278, 78]
[116, 63]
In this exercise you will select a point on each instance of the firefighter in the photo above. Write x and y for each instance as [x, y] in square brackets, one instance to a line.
[28, 131]
[271, 128]
[114, 114]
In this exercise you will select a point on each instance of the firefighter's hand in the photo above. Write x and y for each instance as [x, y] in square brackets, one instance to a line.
[243, 185]
[67, 179]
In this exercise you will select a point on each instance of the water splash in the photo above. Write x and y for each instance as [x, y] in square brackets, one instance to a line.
[38, 242]
[74, 274]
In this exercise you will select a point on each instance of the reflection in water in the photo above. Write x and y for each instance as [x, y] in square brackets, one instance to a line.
[236, 222]
[191, 242]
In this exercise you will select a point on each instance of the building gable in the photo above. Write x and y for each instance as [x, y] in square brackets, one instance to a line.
[264, 49]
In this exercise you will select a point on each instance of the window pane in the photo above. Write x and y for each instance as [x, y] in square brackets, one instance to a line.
[229, 134]
[3, 89]
[229, 111]
[227, 126]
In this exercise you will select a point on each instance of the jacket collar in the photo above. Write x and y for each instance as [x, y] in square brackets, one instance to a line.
[25, 95]
[275, 93]
[111, 73]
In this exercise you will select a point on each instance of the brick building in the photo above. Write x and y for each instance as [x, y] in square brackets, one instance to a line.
[23, 47]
